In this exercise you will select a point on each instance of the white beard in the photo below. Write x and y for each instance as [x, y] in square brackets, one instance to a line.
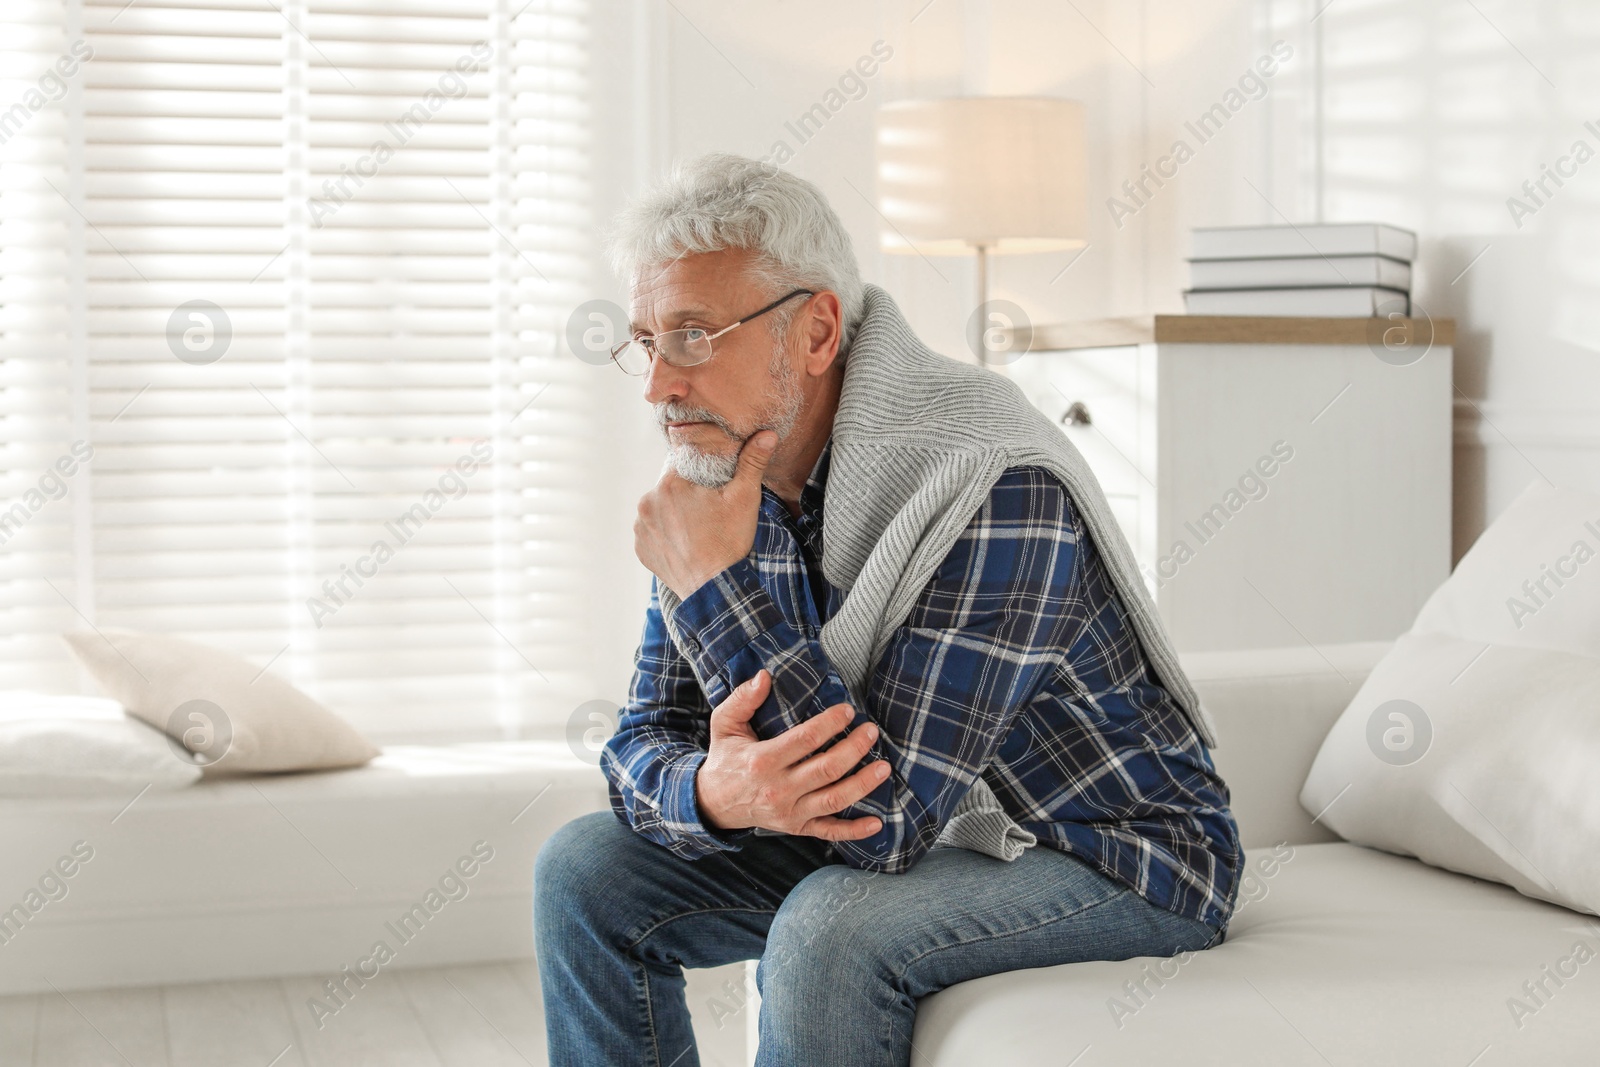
[712, 470]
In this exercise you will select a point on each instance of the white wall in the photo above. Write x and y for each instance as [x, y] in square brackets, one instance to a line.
[1424, 113]
[1428, 114]
[629, 45]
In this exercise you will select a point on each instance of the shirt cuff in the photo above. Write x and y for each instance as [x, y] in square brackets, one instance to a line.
[682, 808]
[724, 615]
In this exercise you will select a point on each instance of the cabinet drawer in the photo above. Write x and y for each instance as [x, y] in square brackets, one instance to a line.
[1100, 390]
[1109, 453]
[1126, 511]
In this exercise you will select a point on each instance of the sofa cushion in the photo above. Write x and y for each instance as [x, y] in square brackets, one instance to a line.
[1337, 954]
[1473, 744]
[1273, 707]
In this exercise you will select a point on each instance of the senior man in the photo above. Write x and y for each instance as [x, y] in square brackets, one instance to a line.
[903, 714]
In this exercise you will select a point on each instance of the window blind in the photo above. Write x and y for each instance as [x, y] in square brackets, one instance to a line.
[297, 275]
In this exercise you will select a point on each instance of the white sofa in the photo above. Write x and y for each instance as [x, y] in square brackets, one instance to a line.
[1337, 955]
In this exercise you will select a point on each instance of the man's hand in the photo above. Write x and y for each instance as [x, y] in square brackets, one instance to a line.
[687, 534]
[784, 784]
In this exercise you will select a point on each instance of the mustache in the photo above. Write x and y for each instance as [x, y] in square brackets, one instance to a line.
[672, 412]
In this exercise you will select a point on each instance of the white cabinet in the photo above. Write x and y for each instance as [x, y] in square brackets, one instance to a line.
[1281, 481]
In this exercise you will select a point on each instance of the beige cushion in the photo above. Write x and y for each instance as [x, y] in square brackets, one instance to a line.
[234, 717]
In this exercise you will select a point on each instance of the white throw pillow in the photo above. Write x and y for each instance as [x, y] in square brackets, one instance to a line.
[54, 746]
[1475, 744]
[235, 717]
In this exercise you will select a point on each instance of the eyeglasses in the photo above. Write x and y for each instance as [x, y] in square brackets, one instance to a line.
[682, 348]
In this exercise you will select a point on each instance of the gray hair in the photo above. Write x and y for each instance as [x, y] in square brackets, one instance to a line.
[723, 201]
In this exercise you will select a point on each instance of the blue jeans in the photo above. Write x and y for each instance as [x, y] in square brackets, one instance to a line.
[845, 954]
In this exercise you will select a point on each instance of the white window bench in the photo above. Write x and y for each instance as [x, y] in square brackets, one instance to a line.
[289, 874]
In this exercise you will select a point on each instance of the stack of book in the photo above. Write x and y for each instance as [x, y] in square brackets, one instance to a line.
[1334, 270]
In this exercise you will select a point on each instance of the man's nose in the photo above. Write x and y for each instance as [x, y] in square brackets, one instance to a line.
[664, 382]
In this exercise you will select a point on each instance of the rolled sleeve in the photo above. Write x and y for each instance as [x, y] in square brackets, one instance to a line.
[723, 616]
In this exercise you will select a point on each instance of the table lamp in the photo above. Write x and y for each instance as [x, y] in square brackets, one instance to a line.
[985, 175]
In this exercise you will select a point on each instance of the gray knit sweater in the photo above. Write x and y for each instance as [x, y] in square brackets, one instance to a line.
[919, 441]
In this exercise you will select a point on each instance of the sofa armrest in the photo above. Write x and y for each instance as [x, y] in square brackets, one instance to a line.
[1272, 708]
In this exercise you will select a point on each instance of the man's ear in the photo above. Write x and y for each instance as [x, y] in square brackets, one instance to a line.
[824, 328]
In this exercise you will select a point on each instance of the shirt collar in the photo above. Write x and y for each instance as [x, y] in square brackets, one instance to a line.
[811, 496]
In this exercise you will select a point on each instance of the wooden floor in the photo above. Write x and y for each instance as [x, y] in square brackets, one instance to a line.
[480, 1016]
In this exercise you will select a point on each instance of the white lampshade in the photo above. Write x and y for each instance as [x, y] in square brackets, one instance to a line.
[1004, 173]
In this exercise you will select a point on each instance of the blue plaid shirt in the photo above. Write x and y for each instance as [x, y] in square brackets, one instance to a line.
[1017, 661]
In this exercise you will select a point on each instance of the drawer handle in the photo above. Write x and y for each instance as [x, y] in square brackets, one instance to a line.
[1076, 415]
